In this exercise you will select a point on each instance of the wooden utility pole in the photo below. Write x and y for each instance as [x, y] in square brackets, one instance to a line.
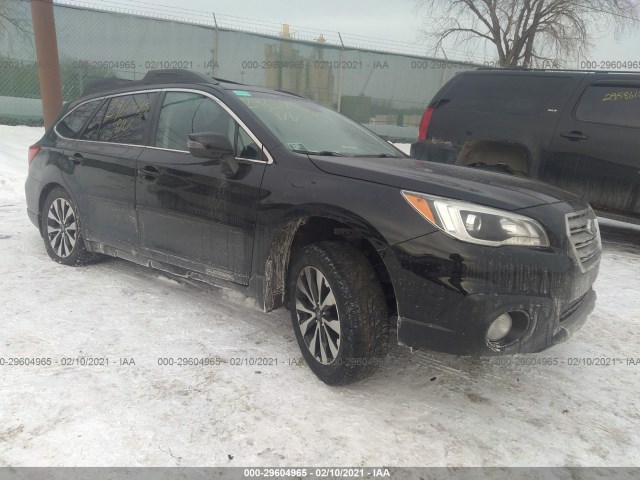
[44, 31]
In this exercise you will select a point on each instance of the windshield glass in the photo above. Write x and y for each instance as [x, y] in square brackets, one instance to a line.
[306, 127]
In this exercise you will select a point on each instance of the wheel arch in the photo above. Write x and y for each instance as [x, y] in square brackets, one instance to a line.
[313, 228]
[516, 156]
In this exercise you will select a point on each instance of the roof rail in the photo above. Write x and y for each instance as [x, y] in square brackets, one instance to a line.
[569, 70]
[106, 83]
[151, 77]
[289, 93]
[222, 80]
[175, 76]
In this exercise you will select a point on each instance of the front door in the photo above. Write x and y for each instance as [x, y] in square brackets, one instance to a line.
[191, 212]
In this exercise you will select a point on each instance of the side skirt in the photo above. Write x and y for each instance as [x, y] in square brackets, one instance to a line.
[199, 273]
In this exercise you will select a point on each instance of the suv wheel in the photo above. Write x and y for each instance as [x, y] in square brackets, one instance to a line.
[61, 230]
[338, 312]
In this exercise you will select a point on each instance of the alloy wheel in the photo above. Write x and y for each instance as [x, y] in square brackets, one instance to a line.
[317, 315]
[62, 229]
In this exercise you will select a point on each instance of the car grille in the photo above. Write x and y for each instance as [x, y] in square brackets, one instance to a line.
[584, 235]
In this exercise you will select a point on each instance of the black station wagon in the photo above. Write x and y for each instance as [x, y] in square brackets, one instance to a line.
[298, 206]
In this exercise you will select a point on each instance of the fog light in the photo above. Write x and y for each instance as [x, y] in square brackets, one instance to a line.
[500, 328]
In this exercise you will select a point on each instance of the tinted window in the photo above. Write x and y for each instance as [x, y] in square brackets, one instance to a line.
[72, 123]
[92, 129]
[184, 113]
[612, 105]
[125, 119]
[511, 94]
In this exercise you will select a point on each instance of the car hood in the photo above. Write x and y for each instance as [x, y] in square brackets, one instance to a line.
[491, 189]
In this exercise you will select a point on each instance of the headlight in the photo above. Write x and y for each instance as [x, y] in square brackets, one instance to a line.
[478, 224]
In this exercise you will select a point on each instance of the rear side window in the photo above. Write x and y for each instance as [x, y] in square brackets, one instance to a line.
[92, 129]
[126, 119]
[184, 113]
[72, 123]
[510, 94]
[611, 105]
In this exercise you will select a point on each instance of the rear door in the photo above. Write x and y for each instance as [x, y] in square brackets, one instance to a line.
[595, 149]
[102, 168]
[191, 212]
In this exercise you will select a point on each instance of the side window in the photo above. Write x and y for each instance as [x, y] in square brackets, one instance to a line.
[610, 105]
[245, 146]
[92, 129]
[183, 113]
[70, 125]
[126, 119]
[507, 94]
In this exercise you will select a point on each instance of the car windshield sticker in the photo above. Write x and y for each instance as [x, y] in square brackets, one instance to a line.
[297, 146]
[242, 93]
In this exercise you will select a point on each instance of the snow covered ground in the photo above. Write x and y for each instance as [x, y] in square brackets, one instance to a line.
[420, 409]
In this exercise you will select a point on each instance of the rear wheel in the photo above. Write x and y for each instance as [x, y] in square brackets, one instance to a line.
[338, 312]
[62, 231]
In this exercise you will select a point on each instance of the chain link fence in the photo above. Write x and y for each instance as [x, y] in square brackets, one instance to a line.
[387, 92]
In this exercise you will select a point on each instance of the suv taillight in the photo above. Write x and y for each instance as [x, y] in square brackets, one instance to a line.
[33, 151]
[424, 124]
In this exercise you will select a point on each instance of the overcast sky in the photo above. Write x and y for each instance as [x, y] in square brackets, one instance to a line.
[391, 20]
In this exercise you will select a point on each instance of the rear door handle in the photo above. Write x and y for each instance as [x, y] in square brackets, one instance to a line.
[77, 158]
[574, 136]
[148, 173]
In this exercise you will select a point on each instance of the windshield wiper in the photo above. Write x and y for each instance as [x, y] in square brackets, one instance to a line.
[321, 153]
[377, 155]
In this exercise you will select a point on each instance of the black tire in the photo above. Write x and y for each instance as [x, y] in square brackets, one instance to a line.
[360, 309]
[62, 230]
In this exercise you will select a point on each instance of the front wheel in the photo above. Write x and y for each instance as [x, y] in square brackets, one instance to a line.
[338, 312]
[62, 231]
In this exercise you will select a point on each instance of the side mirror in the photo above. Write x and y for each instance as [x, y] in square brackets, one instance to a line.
[209, 145]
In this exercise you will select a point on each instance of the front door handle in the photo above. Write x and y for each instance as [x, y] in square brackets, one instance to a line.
[77, 159]
[148, 173]
[574, 136]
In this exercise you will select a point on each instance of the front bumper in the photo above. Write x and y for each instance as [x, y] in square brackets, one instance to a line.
[545, 328]
[448, 292]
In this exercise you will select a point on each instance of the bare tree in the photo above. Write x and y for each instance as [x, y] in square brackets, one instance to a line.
[526, 32]
[12, 20]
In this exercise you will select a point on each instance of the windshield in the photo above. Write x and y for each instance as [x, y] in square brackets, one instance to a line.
[306, 127]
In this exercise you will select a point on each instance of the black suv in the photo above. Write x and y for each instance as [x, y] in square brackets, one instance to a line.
[294, 204]
[577, 130]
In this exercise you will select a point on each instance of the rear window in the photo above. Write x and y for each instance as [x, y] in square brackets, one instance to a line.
[613, 105]
[70, 125]
[510, 94]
